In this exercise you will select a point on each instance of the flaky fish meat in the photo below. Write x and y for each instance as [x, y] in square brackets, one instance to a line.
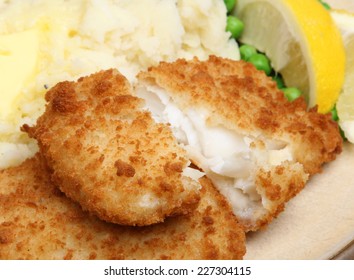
[258, 148]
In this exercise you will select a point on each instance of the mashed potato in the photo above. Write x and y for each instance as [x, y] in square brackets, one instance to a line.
[79, 37]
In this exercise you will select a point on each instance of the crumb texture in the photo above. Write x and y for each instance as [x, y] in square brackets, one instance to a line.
[109, 155]
[40, 222]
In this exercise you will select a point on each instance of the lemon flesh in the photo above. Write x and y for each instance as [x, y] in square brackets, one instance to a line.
[345, 105]
[303, 43]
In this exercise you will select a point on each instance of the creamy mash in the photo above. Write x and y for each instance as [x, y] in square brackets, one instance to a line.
[74, 38]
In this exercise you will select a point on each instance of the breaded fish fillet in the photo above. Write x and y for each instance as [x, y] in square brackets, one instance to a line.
[37, 221]
[258, 148]
[110, 156]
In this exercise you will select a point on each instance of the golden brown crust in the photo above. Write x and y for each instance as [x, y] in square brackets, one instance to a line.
[243, 99]
[277, 186]
[109, 155]
[237, 96]
[39, 222]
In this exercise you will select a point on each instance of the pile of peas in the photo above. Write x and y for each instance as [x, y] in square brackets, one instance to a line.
[249, 53]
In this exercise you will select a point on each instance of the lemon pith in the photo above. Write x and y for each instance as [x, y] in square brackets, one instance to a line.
[345, 105]
[303, 43]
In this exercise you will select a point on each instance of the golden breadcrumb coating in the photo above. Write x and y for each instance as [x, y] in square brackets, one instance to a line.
[109, 155]
[37, 221]
[242, 98]
[246, 101]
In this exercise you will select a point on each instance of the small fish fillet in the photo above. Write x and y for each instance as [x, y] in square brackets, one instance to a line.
[258, 148]
[109, 155]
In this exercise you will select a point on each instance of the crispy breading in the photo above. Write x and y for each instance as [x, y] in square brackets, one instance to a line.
[244, 100]
[109, 155]
[37, 221]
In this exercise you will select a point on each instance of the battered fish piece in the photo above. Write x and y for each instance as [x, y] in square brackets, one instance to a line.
[258, 148]
[37, 221]
[110, 156]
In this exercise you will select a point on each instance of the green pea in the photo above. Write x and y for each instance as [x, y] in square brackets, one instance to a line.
[325, 5]
[261, 62]
[234, 26]
[291, 93]
[342, 134]
[279, 80]
[334, 113]
[335, 117]
[230, 4]
[247, 51]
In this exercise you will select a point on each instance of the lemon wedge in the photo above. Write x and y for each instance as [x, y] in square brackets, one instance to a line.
[303, 43]
[345, 105]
